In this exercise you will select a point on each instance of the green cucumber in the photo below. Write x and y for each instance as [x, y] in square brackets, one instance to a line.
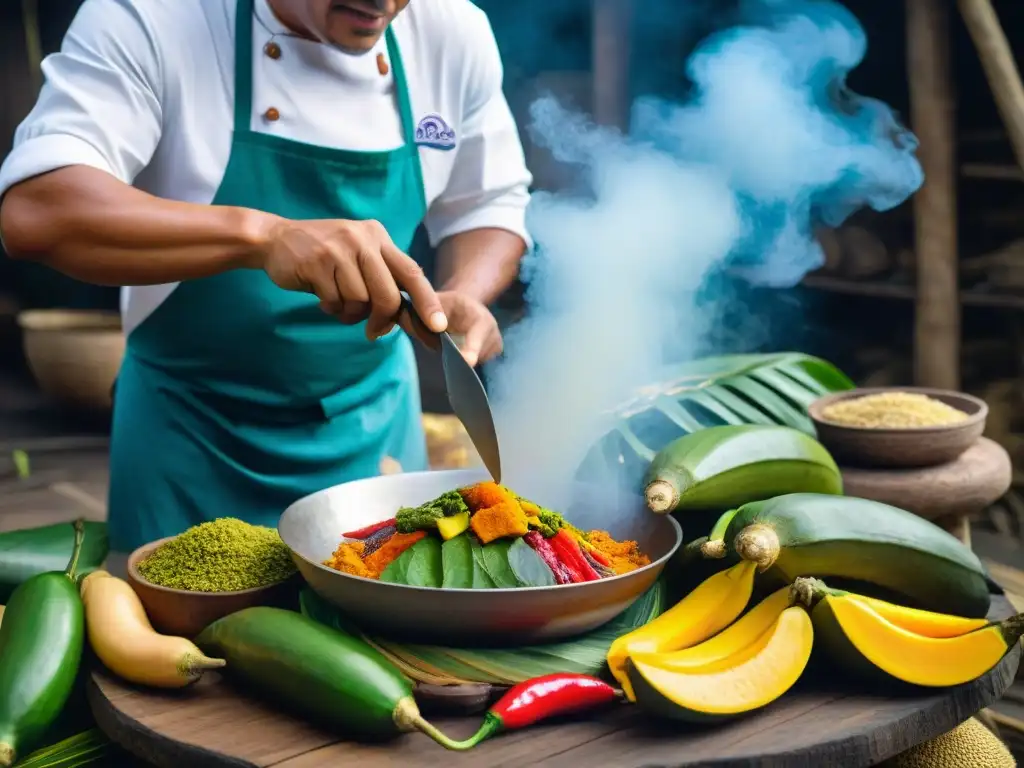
[731, 465]
[323, 674]
[30, 551]
[41, 640]
[809, 534]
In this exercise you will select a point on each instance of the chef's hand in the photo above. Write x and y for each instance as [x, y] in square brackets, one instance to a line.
[355, 270]
[470, 319]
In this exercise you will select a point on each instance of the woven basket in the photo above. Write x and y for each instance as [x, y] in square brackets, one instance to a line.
[74, 355]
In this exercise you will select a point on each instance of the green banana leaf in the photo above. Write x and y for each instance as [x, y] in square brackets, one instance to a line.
[500, 666]
[735, 389]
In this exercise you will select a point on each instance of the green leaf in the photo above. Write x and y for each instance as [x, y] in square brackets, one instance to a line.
[457, 563]
[481, 579]
[748, 413]
[22, 465]
[529, 569]
[418, 566]
[773, 404]
[732, 389]
[495, 562]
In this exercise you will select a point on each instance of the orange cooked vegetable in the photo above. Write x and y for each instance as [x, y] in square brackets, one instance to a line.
[486, 494]
[506, 518]
[348, 558]
[389, 552]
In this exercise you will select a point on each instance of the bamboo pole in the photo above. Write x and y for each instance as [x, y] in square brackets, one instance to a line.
[610, 52]
[1000, 67]
[937, 321]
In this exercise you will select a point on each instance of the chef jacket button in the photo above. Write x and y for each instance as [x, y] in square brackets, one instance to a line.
[272, 114]
[273, 50]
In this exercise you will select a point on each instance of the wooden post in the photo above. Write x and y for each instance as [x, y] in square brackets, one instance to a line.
[937, 324]
[1000, 67]
[610, 51]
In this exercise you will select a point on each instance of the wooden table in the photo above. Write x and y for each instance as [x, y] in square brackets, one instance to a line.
[821, 723]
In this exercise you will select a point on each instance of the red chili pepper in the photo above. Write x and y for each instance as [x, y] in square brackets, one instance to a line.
[542, 697]
[541, 546]
[568, 552]
[368, 531]
[600, 556]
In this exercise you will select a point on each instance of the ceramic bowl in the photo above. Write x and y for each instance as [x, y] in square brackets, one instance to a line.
[900, 448]
[186, 614]
[312, 528]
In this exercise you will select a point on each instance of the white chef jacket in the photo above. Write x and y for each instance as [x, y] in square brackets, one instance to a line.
[144, 90]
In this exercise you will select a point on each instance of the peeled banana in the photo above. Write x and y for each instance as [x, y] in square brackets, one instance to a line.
[728, 466]
[865, 641]
[704, 612]
[750, 679]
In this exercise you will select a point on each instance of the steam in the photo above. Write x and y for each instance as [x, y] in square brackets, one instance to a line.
[771, 144]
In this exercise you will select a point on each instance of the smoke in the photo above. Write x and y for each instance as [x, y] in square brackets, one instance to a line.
[770, 144]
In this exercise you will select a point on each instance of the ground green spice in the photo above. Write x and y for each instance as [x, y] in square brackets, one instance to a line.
[220, 556]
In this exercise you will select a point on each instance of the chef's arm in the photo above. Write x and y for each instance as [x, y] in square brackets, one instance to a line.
[482, 263]
[68, 199]
[89, 225]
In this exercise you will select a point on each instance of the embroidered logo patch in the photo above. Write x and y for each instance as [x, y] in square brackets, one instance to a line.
[434, 132]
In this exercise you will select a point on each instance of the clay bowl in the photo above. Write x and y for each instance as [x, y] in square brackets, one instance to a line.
[186, 614]
[900, 448]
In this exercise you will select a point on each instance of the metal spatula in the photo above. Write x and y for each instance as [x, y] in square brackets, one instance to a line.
[465, 392]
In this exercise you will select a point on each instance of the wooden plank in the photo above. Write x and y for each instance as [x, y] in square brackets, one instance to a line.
[937, 322]
[1000, 68]
[611, 21]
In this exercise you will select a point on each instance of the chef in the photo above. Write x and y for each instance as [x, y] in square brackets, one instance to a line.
[254, 171]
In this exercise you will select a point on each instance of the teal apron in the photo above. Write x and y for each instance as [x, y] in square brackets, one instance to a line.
[237, 397]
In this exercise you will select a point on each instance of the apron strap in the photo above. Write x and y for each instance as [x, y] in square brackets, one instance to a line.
[401, 89]
[243, 66]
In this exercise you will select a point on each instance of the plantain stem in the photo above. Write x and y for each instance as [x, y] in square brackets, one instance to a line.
[192, 665]
[662, 496]
[1012, 629]
[713, 549]
[759, 544]
[806, 591]
[76, 550]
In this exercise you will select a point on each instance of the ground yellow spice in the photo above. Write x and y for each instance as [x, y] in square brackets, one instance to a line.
[625, 556]
[220, 556]
[348, 558]
[893, 410]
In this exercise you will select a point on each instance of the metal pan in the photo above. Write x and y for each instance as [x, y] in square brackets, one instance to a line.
[312, 528]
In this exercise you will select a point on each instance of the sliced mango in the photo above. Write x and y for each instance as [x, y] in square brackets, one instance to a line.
[861, 638]
[759, 675]
[708, 609]
[450, 527]
[718, 652]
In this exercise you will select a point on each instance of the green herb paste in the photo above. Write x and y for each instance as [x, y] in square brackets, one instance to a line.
[221, 556]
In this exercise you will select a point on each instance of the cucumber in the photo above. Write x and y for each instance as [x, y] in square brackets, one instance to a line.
[321, 673]
[731, 465]
[41, 642]
[30, 551]
[808, 534]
